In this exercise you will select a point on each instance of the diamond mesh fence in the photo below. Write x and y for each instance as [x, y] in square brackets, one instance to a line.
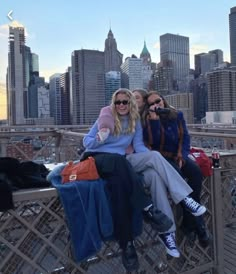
[34, 239]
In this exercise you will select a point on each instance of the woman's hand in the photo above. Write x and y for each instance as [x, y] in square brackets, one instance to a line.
[152, 113]
[180, 163]
[179, 160]
[102, 134]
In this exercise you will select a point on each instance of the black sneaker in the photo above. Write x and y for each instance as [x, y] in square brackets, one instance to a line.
[193, 207]
[158, 219]
[130, 257]
[168, 239]
[204, 236]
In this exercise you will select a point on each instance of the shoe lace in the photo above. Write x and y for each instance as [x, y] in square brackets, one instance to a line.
[190, 203]
[170, 239]
[150, 211]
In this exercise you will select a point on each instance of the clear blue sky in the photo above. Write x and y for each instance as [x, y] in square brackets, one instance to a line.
[56, 28]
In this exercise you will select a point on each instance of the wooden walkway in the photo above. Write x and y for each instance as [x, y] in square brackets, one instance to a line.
[230, 250]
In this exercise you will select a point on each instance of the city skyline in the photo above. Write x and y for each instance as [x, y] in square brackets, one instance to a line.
[54, 32]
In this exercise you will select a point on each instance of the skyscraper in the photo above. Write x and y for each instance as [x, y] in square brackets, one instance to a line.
[132, 73]
[232, 34]
[145, 55]
[146, 67]
[219, 59]
[35, 62]
[205, 62]
[113, 58]
[197, 64]
[88, 85]
[16, 82]
[176, 48]
[183, 102]
[164, 77]
[112, 83]
[65, 97]
[198, 88]
[221, 90]
[55, 98]
[36, 82]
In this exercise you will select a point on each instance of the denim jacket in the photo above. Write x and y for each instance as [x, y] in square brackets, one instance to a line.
[87, 213]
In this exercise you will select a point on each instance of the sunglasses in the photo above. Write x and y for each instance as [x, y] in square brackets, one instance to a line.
[157, 101]
[124, 102]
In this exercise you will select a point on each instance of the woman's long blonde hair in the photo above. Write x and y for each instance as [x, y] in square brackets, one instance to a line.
[133, 114]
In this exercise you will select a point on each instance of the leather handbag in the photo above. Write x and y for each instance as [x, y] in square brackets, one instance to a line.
[84, 170]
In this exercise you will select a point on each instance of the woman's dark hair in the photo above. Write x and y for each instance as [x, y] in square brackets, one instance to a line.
[143, 111]
[173, 112]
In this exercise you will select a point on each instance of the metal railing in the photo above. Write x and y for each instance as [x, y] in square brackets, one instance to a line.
[34, 238]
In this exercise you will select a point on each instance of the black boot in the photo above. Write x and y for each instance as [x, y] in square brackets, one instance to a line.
[157, 219]
[130, 257]
[203, 234]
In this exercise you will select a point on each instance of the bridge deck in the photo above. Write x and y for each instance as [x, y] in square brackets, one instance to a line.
[230, 250]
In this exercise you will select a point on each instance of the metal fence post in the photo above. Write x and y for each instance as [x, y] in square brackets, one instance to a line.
[3, 147]
[218, 221]
[57, 147]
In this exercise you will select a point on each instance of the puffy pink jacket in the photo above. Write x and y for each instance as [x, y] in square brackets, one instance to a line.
[106, 120]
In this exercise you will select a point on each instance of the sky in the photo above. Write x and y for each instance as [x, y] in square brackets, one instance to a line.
[56, 28]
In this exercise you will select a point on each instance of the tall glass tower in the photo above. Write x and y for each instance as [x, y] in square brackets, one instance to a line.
[232, 34]
[176, 49]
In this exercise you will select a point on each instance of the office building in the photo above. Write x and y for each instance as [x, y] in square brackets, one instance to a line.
[146, 67]
[43, 103]
[205, 62]
[232, 35]
[222, 90]
[164, 77]
[183, 102]
[55, 98]
[176, 49]
[198, 87]
[16, 82]
[132, 73]
[22, 79]
[35, 62]
[112, 57]
[219, 56]
[35, 83]
[112, 83]
[88, 85]
[65, 97]
[113, 60]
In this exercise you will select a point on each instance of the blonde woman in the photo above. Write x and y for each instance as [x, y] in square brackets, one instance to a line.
[122, 181]
[159, 175]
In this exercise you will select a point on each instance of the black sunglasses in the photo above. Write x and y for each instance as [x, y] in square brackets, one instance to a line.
[124, 102]
[157, 101]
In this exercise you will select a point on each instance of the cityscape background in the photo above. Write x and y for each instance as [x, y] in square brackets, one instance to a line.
[55, 33]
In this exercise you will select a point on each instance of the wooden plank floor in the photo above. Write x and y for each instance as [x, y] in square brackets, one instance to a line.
[230, 250]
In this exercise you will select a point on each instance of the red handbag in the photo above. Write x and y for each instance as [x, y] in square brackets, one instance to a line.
[202, 160]
[84, 170]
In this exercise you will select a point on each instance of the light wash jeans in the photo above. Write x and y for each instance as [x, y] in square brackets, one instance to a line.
[161, 178]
